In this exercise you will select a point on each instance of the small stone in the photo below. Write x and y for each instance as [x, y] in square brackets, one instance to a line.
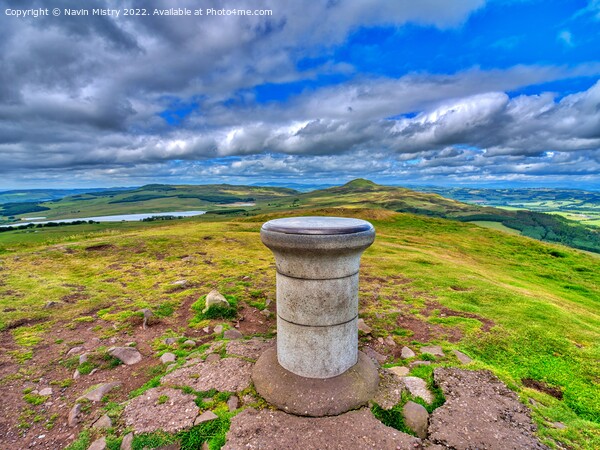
[215, 298]
[46, 391]
[102, 422]
[434, 350]
[98, 444]
[213, 357]
[83, 358]
[96, 394]
[418, 388]
[49, 305]
[73, 418]
[464, 359]
[218, 329]
[168, 358]
[377, 357]
[407, 353]
[232, 334]
[533, 403]
[189, 343]
[399, 371]
[559, 425]
[206, 329]
[380, 340]
[233, 403]
[248, 398]
[416, 418]
[206, 416]
[362, 326]
[147, 317]
[171, 367]
[127, 442]
[76, 374]
[389, 341]
[128, 355]
[419, 363]
[179, 283]
[75, 351]
[265, 312]
[170, 341]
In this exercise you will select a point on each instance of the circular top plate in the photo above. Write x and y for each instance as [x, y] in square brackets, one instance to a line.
[317, 225]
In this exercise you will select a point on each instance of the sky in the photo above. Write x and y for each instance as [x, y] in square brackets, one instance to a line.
[429, 92]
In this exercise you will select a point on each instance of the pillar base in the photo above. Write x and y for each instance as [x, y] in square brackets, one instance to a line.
[313, 396]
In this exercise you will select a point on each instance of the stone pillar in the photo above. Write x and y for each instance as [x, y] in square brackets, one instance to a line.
[317, 260]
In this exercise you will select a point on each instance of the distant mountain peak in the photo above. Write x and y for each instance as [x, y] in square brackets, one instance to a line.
[360, 183]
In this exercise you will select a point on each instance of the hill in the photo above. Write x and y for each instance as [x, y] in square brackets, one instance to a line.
[526, 310]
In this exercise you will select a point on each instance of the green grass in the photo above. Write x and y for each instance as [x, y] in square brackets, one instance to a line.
[495, 226]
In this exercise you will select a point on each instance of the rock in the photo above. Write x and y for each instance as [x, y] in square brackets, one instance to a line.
[179, 283]
[214, 298]
[127, 442]
[416, 418]
[168, 358]
[45, 392]
[171, 367]
[148, 413]
[377, 357]
[232, 334]
[389, 391]
[434, 350]
[83, 358]
[480, 412]
[362, 326]
[399, 371]
[189, 343]
[389, 341]
[218, 329]
[206, 329]
[73, 418]
[95, 395]
[212, 357]
[49, 305]
[102, 422]
[419, 363]
[170, 341]
[75, 351]
[227, 374]
[76, 374]
[407, 353]
[147, 317]
[380, 340]
[464, 359]
[233, 403]
[265, 312]
[251, 348]
[270, 430]
[128, 355]
[98, 444]
[206, 416]
[418, 388]
[559, 425]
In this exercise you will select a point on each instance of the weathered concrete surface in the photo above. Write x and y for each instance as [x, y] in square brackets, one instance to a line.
[313, 396]
[275, 430]
[480, 412]
[149, 412]
[227, 374]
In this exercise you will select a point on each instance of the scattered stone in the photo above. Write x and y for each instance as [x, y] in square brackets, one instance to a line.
[416, 418]
[146, 414]
[102, 422]
[170, 341]
[46, 391]
[228, 374]
[232, 334]
[189, 343]
[418, 388]
[407, 353]
[206, 416]
[75, 351]
[251, 348]
[434, 350]
[212, 357]
[248, 398]
[389, 391]
[179, 283]
[147, 317]
[377, 357]
[76, 374]
[265, 312]
[399, 371]
[233, 403]
[98, 444]
[168, 358]
[270, 430]
[464, 359]
[419, 363]
[380, 340]
[171, 367]
[533, 403]
[215, 298]
[362, 326]
[389, 341]
[127, 442]
[480, 412]
[128, 355]
[206, 329]
[95, 395]
[218, 329]
[73, 418]
[559, 425]
[83, 358]
[49, 305]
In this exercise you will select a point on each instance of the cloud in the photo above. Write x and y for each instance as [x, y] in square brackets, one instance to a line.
[566, 37]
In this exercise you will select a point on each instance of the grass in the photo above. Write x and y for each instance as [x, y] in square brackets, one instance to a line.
[542, 300]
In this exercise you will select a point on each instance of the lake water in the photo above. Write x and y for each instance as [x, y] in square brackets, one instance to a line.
[117, 218]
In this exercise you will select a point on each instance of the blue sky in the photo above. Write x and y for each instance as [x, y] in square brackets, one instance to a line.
[469, 92]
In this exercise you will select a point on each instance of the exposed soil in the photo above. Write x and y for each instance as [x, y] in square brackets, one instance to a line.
[542, 387]
[430, 306]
